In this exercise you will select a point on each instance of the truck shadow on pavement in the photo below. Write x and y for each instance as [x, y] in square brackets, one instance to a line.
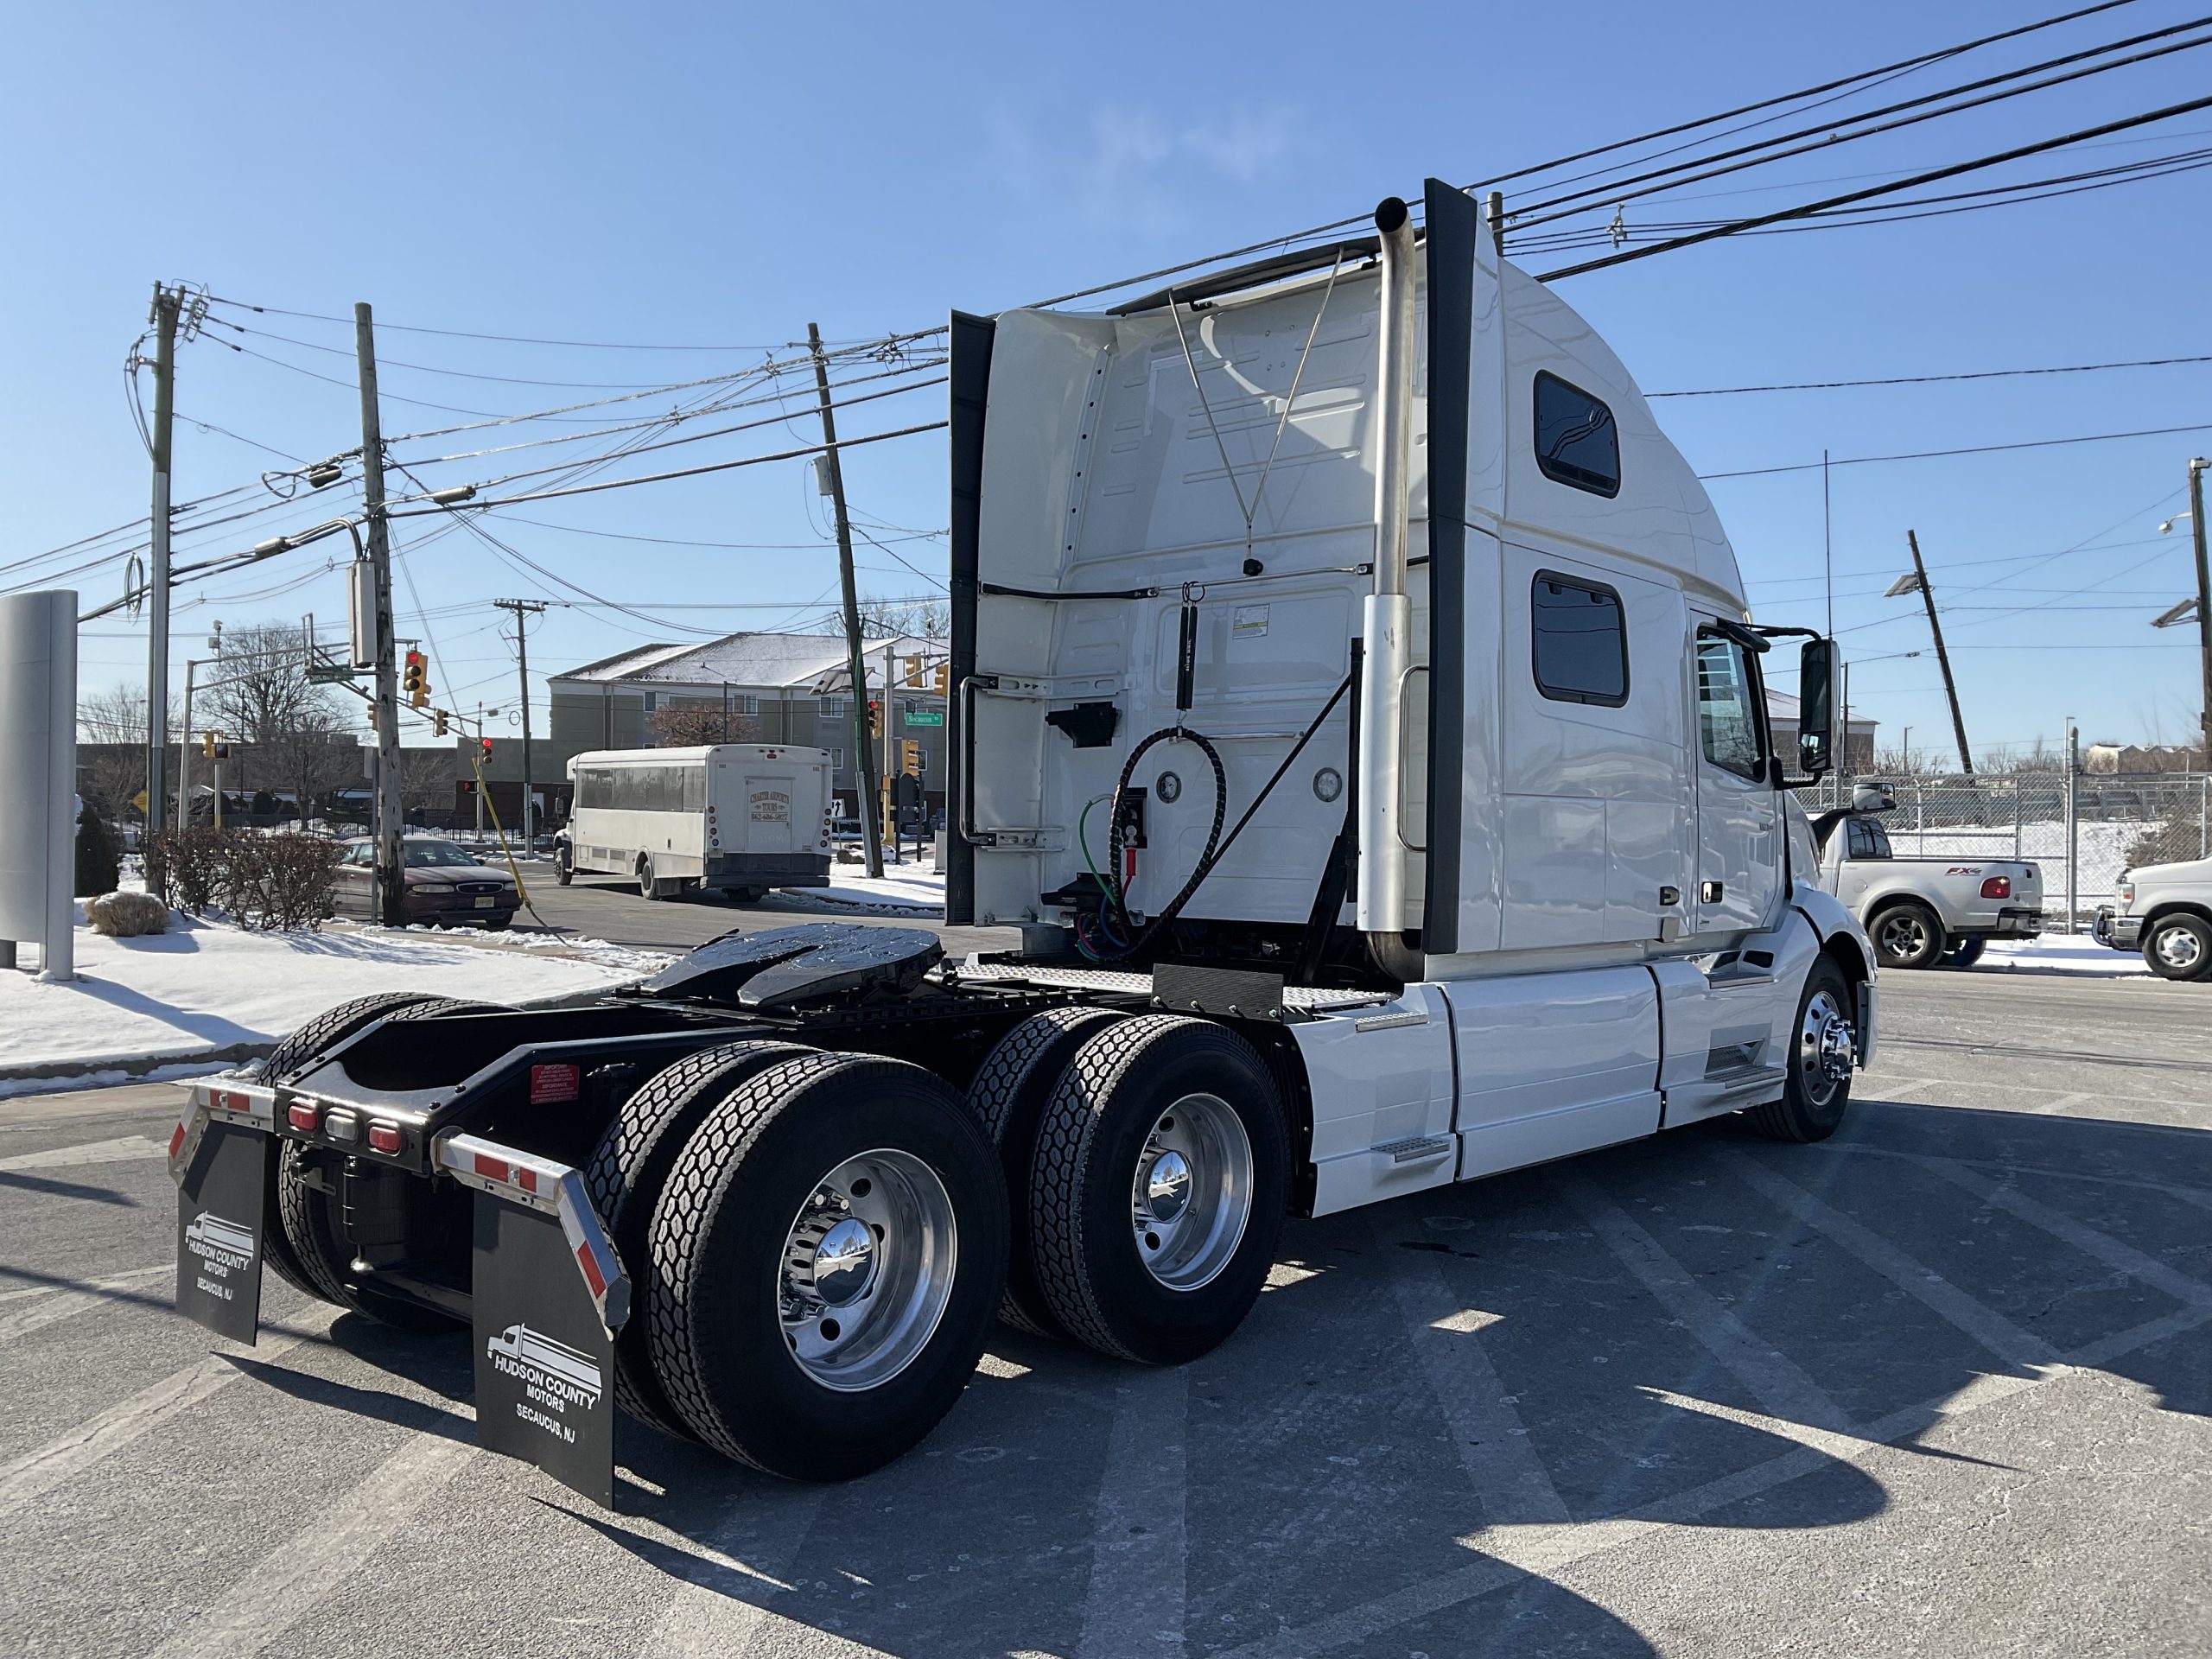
[1443, 1406]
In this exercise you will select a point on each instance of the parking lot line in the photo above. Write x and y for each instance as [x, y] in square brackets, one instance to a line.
[1918, 1280]
[2121, 1258]
[1134, 1604]
[1775, 1380]
[1502, 1468]
[122, 1149]
[58, 1302]
[35, 1473]
[290, 1581]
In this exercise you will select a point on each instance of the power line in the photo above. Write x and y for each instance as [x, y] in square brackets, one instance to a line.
[1952, 171]
[512, 339]
[1748, 155]
[1931, 379]
[1974, 449]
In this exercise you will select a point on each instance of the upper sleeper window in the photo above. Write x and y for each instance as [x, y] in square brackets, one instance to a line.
[1577, 443]
[1581, 650]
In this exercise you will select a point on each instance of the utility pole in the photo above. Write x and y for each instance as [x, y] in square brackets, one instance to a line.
[391, 869]
[523, 610]
[2197, 532]
[167, 303]
[1943, 658]
[863, 750]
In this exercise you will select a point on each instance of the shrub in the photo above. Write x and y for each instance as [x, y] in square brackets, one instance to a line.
[263, 881]
[97, 870]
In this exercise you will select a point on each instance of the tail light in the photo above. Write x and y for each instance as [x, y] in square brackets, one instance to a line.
[303, 1116]
[1998, 887]
[384, 1137]
[550, 1084]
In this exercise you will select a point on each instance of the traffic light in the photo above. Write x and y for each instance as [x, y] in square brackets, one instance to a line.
[437, 722]
[910, 757]
[875, 717]
[487, 747]
[207, 745]
[416, 680]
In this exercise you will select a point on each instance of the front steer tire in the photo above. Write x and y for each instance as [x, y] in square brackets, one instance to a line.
[1008, 1097]
[1812, 1103]
[731, 1231]
[627, 1170]
[1100, 1132]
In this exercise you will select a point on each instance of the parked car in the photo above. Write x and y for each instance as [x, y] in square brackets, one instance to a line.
[1922, 913]
[446, 887]
[2164, 911]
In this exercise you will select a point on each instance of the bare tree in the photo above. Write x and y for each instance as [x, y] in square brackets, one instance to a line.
[111, 760]
[694, 722]
[260, 695]
[887, 619]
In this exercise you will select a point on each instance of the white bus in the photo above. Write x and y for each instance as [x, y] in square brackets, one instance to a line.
[731, 817]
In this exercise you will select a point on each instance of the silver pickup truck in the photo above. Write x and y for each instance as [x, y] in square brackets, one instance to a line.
[2164, 911]
[1922, 913]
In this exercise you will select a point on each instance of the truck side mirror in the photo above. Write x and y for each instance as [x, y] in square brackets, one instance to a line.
[1816, 721]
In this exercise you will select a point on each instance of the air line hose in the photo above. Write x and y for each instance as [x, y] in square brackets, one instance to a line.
[1217, 845]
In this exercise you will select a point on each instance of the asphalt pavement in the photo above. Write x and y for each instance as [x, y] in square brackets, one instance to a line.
[1941, 1385]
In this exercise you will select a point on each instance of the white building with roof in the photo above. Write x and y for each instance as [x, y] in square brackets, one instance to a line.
[766, 688]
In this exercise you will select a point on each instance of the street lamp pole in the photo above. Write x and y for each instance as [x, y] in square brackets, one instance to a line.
[2204, 601]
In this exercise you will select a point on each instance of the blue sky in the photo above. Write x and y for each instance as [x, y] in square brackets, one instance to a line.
[718, 176]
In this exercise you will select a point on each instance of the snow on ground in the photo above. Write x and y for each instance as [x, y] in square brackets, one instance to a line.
[202, 988]
[911, 888]
[2061, 953]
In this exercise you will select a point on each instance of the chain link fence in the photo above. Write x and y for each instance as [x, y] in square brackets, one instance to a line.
[2088, 826]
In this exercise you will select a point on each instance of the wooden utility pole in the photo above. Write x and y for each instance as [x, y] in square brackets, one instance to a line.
[167, 303]
[1943, 658]
[388, 823]
[863, 749]
[523, 610]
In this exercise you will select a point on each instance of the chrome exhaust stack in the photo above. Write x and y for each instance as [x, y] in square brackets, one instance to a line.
[1386, 617]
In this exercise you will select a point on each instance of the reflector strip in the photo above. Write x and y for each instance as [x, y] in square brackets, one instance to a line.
[593, 1277]
[492, 1169]
[551, 1188]
[176, 1138]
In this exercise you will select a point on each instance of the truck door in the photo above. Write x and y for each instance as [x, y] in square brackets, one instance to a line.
[1738, 811]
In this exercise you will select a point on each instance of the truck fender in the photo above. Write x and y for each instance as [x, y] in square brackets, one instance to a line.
[1843, 936]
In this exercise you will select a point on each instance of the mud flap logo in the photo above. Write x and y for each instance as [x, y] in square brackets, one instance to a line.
[218, 1230]
[543, 1360]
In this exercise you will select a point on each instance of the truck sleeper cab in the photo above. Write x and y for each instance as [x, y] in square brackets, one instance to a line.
[1357, 711]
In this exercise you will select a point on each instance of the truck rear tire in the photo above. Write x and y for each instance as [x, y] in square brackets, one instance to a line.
[1009, 1097]
[1812, 1100]
[297, 1231]
[1158, 1189]
[2178, 947]
[826, 1258]
[1908, 935]
[331, 1027]
[627, 1170]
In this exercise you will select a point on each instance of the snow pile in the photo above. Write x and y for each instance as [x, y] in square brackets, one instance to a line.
[912, 888]
[199, 989]
[2062, 953]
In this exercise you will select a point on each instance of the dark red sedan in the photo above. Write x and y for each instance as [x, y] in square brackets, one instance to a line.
[446, 887]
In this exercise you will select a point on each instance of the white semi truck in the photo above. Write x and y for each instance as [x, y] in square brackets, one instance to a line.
[1359, 714]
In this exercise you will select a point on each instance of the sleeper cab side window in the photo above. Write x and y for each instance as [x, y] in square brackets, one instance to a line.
[1579, 651]
[1727, 710]
[1576, 443]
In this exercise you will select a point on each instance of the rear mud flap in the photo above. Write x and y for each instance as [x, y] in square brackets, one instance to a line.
[219, 1218]
[544, 1361]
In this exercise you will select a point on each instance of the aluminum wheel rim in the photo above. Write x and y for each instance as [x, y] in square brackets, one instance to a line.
[1904, 935]
[2177, 947]
[867, 1270]
[1192, 1195]
[1824, 1048]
